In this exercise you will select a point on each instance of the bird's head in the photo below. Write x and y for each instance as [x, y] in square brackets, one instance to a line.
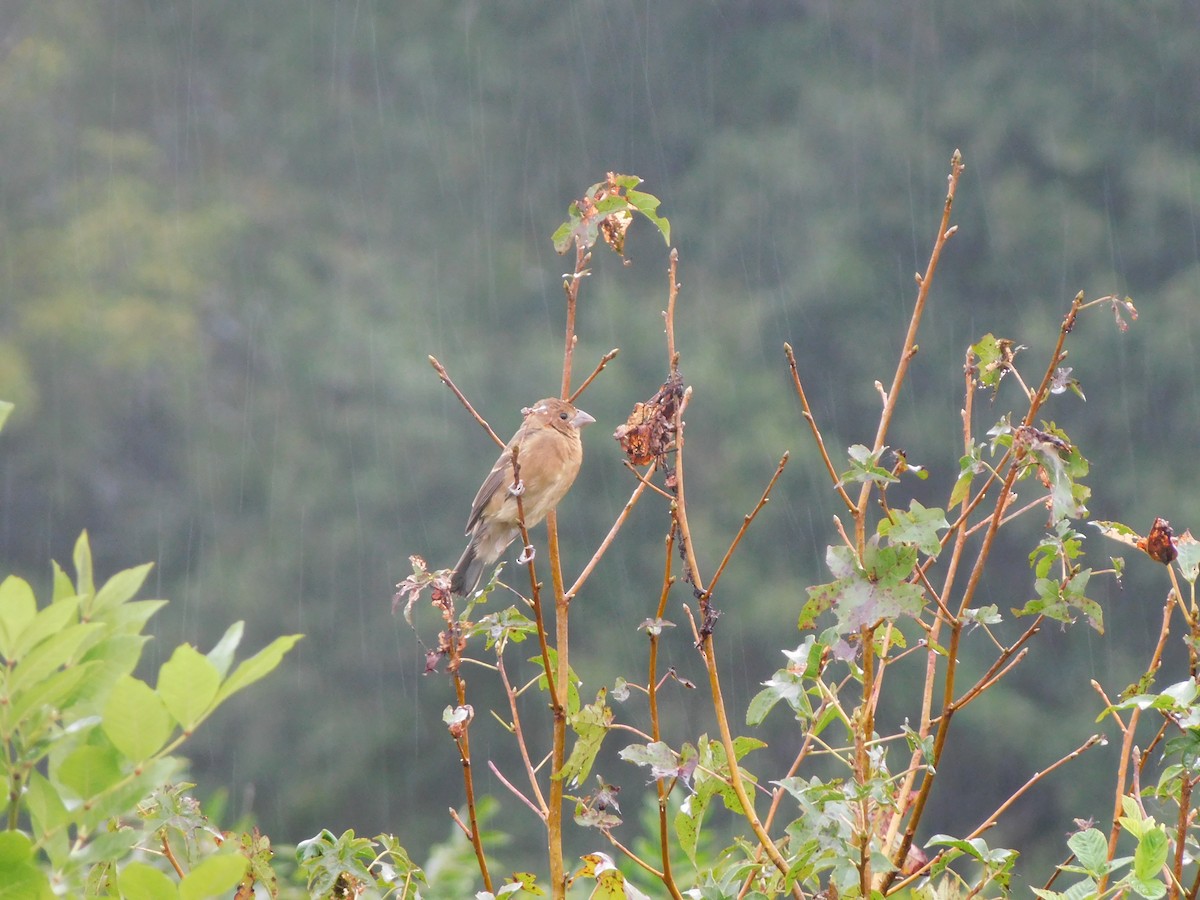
[557, 414]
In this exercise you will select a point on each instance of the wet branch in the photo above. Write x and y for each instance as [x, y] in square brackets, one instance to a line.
[446, 380]
[600, 367]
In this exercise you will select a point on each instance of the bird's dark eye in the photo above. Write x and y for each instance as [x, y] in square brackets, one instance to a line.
[563, 416]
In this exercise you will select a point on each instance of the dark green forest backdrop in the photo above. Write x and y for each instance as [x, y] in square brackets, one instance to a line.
[231, 232]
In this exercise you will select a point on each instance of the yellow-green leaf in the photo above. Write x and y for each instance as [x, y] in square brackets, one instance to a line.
[139, 881]
[188, 684]
[257, 666]
[135, 719]
[17, 609]
[214, 877]
[90, 769]
[122, 587]
[50, 620]
[84, 585]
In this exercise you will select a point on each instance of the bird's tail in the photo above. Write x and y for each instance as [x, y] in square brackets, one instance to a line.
[467, 573]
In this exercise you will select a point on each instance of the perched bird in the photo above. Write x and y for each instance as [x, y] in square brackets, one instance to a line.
[549, 457]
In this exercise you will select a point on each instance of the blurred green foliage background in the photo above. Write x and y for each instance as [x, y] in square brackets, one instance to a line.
[230, 234]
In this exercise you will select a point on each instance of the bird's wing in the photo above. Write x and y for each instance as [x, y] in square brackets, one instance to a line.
[500, 474]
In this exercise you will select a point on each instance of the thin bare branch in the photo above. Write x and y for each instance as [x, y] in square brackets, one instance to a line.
[669, 315]
[644, 479]
[516, 793]
[643, 483]
[991, 820]
[746, 520]
[571, 285]
[806, 411]
[460, 823]
[637, 860]
[909, 348]
[446, 380]
[522, 746]
[600, 367]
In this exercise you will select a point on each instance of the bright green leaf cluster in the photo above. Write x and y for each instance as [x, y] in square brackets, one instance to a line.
[710, 779]
[606, 209]
[996, 864]
[84, 740]
[1061, 583]
[864, 466]
[1146, 876]
[345, 865]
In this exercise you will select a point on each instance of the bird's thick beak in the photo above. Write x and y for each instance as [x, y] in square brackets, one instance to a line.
[581, 418]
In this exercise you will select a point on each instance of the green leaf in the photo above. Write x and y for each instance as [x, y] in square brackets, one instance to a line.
[590, 725]
[324, 857]
[139, 881]
[647, 205]
[1188, 559]
[56, 691]
[121, 587]
[130, 617]
[506, 625]
[46, 809]
[20, 877]
[976, 849]
[743, 745]
[919, 526]
[861, 596]
[221, 656]
[864, 466]
[188, 684]
[962, 487]
[563, 234]
[136, 720]
[610, 204]
[658, 757]
[1133, 821]
[90, 769]
[1057, 599]
[1091, 850]
[18, 607]
[113, 657]
[85, 587]
[6, 409]
[257, 666]
[127, 794]
[573, 680]
[994, 359]
[784, 686]
[49, 621]
[1151, 890]
[709, 780]
[63, 586]
[107, 847]
[1150, 856]
[1118, 531]
[216, 876]
[688, 821]
[983, 615]
[1061, 465]
[54, 653]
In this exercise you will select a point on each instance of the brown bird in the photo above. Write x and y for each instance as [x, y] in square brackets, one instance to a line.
[549, 457]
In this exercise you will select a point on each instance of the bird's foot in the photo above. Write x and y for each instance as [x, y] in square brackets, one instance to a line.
[517, 489]
[527, 555]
